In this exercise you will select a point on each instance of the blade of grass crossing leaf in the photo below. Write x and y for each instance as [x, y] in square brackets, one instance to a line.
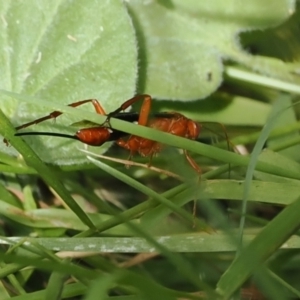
[200, 148]
[7, 130]
[165, 138]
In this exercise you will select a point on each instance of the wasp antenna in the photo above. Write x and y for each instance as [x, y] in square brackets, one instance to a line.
[68, 136]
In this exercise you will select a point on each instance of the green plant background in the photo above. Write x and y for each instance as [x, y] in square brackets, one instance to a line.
[229, 62]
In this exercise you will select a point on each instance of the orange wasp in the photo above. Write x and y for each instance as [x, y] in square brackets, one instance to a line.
[170, 122]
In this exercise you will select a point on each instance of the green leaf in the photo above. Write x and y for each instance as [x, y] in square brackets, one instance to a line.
[64, 52]
[184, 42]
